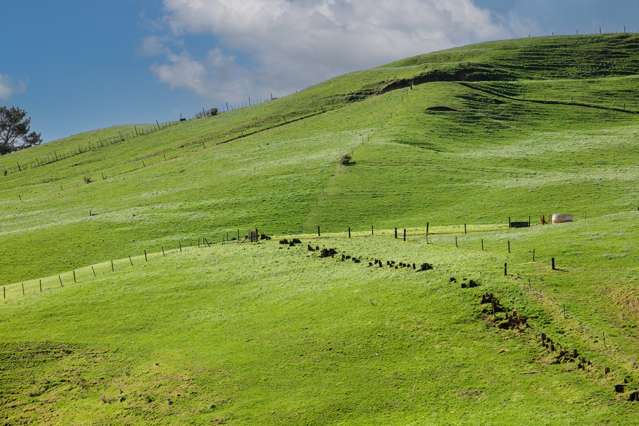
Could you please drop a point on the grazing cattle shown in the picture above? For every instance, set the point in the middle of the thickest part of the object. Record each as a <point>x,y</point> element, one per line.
<point>425,267</point>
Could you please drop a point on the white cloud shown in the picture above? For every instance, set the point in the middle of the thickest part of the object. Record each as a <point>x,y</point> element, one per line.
<point>290,44</point>
<point>182,71</point>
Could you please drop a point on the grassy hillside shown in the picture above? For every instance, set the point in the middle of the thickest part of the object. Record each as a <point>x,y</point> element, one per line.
<point>265,333</point>
<point>487,151</point>
<point>246,333</point>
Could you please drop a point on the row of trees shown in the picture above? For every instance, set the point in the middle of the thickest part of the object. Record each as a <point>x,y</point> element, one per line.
<point>15,130</point>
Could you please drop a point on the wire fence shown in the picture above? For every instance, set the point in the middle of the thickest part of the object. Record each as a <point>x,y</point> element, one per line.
<point>91,146</point>
<point>459,236</point>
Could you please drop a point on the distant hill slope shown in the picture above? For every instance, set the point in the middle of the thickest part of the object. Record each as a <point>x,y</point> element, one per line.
<point>476,134</point>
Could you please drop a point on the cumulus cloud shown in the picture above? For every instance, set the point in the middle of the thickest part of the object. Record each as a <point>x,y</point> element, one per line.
<point>288,44</point>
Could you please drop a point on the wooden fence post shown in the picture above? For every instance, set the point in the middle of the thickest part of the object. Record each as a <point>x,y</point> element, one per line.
<point>456,244</point>
<point>180,243</point>
<point>4,293</point>
<point>60,279</point>
<point>23,289</point>
<point>505,269</point>
<point>130,261</point>
<point>112,266</point>
<point>163,254</point>
<point>404,234</point>
<point>146,259</point>
<point>508,246</point>
<point>93,269</point>
<point>465,229</point>
<point>349,232</point>
<point>395,233</point>
<point>509,221</point>
<point>482,244</point>
<point>533,255</point>
<point>554,267</point>
<point>372,230</point>
<point>40,286</point>
<point>74,278</point>
<point>318,231</point>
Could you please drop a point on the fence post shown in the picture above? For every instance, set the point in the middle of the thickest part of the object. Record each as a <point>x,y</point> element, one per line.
<point>349,232</point>
<point>146,259</point>
<point>395,233</point>
<point>180,243</point>
<point>404,234</point>
<point>130,261</point>
<point>4,293</point>
<point>505,269</point>
<point>93,269</point>
<point>533,255</point>
<point>372,230</point>
<point>163,254</point>
<point>40,286</point>
<point>318,231</point>
<point>23,289</point>
<point>456,244</point>
<point>508,246</point>
<point>427,229</point>
<point>509,222</point>
<point>465,230</point>
<point>74,279</point>
<point>112,266</point>
<point>553,264</point>
<point>482,244</point>
<point>238,235</point>
<point>60,279</point>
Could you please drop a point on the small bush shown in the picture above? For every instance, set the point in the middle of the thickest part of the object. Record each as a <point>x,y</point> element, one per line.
<point>87,179</point>
<point>347,160</point>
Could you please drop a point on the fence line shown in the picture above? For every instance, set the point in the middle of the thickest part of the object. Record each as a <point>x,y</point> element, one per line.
<point>79,275</point>
<point>91,146</point>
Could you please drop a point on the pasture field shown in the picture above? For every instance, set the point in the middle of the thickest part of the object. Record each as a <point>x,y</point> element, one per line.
<point>264,333</point>
<point>267,333</point>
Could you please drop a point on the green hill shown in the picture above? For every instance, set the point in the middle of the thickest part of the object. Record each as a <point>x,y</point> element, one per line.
<point>263,333</point>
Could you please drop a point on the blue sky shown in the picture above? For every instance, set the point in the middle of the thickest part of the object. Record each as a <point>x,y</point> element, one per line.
<point>77,65</point>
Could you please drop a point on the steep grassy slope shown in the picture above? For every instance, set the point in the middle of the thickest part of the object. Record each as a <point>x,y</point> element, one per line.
<point>444,152</point>
<point>249,334</point>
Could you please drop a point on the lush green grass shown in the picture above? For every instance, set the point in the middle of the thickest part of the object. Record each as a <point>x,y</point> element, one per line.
<point>264,334</point>
<point>258,334</point>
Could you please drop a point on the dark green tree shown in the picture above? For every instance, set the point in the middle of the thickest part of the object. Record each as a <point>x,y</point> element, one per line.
<point>15,134</point>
